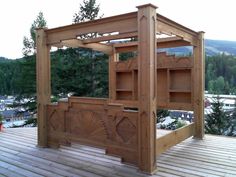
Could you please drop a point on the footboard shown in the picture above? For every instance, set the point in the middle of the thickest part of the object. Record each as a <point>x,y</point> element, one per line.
<point>94,122</point>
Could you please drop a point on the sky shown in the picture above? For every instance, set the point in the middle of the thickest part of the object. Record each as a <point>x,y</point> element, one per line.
<point>214,17</point>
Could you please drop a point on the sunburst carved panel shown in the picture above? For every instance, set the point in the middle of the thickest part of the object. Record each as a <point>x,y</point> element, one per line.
<point>88,124</point>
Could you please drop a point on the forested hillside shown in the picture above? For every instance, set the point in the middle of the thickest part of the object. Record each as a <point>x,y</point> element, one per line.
<point>72,70</point>
<point>221,74</point>
<point>86,74</point>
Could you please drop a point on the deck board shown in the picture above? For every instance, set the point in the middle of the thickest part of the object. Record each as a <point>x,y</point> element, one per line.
<point>19,156</point>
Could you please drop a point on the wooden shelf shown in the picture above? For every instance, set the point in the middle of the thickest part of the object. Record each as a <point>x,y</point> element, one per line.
<point>126,85</point>
<point>122,71</point>
<point>124,95</point>
<point>180,91</point>
<point>123,90</point>
<point>180,97</point>
<point>179,68</point>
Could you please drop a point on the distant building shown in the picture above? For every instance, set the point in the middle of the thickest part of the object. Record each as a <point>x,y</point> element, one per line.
<point>228,101</point>
<point>184,115</point>
<point>14,115</point>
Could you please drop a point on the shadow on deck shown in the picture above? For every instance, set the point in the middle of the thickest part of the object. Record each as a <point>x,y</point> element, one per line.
<point>19,156</point>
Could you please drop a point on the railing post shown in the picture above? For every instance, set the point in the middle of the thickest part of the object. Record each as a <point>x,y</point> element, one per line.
<point>199,86</point>
<point>147,87</point>
<point>43,85</point>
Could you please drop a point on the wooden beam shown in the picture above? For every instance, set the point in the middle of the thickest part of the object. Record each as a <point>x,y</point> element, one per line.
<point>168,39</point>
<point>126,47</point>
<point>198,86</point>
<point>58,45</point>
<point>161,43</point>
<point>179,43</point>
<point>124,23</point>
<point>169,27</point>
<point>111,37</point>
<point>75,43</point>
<point>43,85</point>
<point>147,88</point>
<point>175,137</point>
<point>172,42</point>
<point>125,44</point>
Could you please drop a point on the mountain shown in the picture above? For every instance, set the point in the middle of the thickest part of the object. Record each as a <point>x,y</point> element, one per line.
<point>212,47</point>
<point>3,59</point>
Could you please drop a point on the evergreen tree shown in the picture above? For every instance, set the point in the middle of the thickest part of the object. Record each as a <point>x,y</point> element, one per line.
<point>10,72</point>
<point>88,11</point>
<point>27,84</point>
<point>162,113</point>
<point>220,72</point>
<point>30,43</point>
<point>217,121</point>
<point>232,122</point>
<point>27,77</point>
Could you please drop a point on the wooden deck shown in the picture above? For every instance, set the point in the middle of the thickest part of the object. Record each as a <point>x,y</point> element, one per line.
<point>19,156</point>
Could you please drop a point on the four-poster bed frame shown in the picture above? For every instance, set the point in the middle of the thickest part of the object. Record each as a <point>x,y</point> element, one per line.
<point>144,83</point>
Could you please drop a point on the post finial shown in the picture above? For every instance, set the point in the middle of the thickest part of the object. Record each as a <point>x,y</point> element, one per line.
<point>146,5</point>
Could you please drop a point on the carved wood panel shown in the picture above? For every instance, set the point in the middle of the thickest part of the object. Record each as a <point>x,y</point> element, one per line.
<point>95,122</point>
<point>87,124</point>
<point>55,119</point>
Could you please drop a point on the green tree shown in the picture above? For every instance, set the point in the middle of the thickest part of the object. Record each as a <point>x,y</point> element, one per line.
<point>71,72</point>
<point>27,80</point>
<point>217,121</point>
<point>162,113</point>
<point>27,84</point>
<point>89,10</point>
<point>232,122</point>
<point>10,72</point>
<point>1,118</point>
<point>210,73</point>
<point>219,85</point>
<point>30,43</point>
<point>211,86</point>
<point>220,68</point>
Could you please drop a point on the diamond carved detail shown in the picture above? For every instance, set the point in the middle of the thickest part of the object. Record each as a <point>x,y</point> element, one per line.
<point>125,129</point>
<point>54,122</point>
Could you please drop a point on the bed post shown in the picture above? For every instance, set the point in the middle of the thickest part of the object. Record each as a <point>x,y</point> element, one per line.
<point>147,87</point>
<point>199,86</point>
<point>43,85</point>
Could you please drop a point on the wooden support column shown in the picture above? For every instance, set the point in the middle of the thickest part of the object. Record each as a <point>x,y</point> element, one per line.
<point>199,86</point>
<point>43,85</point>
<point>147,87</point>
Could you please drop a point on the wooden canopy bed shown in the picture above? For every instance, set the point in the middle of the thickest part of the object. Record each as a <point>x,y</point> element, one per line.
<point>125,123</point>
